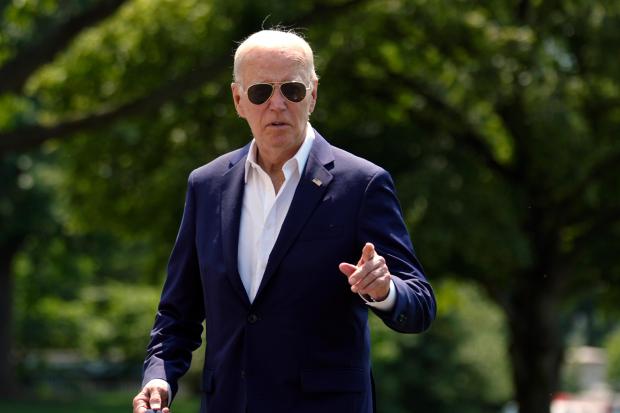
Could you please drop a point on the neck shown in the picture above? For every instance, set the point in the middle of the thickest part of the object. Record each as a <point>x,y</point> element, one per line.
<point>272,162</point>
<point>273,167</point>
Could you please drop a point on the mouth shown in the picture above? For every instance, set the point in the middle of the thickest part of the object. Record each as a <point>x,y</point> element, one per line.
<point>277,124</point>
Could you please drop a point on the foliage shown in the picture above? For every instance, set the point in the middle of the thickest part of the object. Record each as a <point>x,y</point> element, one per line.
<point>22,204</point>
<point>102,323</point>
<point>463,356</point>
<point>612,345</point>
<point>71,286</point>
<point>498,121</point>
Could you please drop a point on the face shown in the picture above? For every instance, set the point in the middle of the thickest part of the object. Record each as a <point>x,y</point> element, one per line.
<point>278,125</point>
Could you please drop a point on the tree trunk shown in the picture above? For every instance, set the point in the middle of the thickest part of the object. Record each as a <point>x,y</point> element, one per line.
<point>536,349</point>
<point>7,378</point>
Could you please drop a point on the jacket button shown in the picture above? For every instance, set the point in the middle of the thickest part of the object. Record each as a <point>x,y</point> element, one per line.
<point>252,318</point>
<point>242,374</point>
<point>402,318</point>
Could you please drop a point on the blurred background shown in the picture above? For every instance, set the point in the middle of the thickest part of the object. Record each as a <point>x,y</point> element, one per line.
<point>499,121</point>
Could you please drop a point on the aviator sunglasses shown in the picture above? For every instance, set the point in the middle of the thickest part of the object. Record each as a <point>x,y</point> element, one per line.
<point>260,93</point>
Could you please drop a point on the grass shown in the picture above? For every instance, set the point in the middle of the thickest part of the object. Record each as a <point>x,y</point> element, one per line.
<point>106,402</point>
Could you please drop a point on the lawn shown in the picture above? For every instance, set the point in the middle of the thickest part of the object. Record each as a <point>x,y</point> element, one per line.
<point>116,402</point>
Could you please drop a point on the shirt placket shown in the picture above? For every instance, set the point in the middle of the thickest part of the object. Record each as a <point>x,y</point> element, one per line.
<point>266,238</point>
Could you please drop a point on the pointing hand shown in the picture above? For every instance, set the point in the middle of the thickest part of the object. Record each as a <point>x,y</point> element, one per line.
<point>370,276</point>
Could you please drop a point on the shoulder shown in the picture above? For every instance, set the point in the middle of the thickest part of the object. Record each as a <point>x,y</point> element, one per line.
<point>351,167</point>
<point>349,161</point>
<point>345,162</point>
<point>217,167</point>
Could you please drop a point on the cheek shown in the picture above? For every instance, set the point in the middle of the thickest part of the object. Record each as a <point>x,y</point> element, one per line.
<point>253,119</point>
<point>304,110</point>
<point>250,113</point>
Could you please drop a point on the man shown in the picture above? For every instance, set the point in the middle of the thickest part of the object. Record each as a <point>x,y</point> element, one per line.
<point>283,246</point>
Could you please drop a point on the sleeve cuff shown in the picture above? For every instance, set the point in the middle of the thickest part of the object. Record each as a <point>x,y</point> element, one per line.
<point>385,305</point>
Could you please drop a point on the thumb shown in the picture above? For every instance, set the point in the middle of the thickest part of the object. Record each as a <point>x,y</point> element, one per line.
<point>346,268</point>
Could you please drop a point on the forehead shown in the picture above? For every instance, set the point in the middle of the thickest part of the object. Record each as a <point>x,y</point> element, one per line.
<point>262,64</point>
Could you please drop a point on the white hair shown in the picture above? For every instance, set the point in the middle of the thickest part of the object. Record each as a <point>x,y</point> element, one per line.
<point>275,39</point>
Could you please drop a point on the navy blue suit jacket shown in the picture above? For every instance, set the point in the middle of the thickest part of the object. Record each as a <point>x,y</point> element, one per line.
<point>303,345</point>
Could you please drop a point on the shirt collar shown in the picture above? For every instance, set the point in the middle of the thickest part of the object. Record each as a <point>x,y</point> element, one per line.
<point>299,159</point>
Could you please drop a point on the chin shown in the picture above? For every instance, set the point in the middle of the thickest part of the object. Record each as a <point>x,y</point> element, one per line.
<point>281,141</point>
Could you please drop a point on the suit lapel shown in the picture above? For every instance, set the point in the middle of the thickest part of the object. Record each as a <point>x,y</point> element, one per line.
<point>231,202</point>
<point>312,185</point>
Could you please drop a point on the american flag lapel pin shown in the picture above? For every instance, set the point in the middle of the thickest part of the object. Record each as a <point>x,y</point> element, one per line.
<point>317,182</point>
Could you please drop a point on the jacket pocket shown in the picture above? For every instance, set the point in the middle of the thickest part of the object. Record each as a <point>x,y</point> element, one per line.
<point>207,381</point>
<point>334,380</point>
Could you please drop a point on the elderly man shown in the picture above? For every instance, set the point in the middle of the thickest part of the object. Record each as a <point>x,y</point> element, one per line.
<point>283,247</point>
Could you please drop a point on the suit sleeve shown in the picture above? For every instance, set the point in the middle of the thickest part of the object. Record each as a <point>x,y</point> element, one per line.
<point>178,324</point>
<point>381,222</point>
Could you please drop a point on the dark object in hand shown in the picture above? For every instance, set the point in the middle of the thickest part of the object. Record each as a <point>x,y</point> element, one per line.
<point>153,411</point>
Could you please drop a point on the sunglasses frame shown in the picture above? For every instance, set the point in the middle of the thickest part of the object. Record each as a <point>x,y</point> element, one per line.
<point>273,88</point>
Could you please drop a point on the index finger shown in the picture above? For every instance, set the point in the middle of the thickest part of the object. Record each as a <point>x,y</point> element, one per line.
<point>157,400</point>
<point>368,252</point>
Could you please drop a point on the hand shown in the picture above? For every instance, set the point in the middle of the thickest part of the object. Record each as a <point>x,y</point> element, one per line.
<point>370,276</point>
<point>153,396</point>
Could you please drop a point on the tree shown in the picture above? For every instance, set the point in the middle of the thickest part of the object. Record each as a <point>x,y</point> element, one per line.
<point>22,51</point>
<point>497,120</point>
<point>444,370</point>
<point>36,37</point>
<point>510,122</point>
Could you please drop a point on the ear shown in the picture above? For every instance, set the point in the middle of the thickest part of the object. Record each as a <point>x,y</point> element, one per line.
<point>237,94</point>
<point>313,94</point>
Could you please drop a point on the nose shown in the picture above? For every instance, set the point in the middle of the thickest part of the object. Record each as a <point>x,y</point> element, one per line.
<point>277,101</point>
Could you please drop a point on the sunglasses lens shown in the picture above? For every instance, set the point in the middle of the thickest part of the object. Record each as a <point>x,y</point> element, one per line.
<point>259,93</point>
<point>293,91</point>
